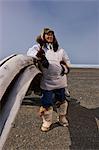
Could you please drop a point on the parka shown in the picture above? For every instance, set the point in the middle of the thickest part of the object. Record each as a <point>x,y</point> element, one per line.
<point>51,76</point>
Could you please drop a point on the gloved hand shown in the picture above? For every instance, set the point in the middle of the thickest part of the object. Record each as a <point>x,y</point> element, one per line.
<point>42,58</point>
<point>65,68</point>
<point>40,53</point>
<point>44,62</point>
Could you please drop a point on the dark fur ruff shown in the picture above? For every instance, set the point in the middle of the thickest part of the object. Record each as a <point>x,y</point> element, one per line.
<point>43,42</point>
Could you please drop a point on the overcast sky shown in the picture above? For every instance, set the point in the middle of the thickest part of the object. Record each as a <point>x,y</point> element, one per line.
<point>75,22</point>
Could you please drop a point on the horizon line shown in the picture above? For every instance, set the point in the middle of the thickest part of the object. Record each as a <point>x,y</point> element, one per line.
<point>84,66</point>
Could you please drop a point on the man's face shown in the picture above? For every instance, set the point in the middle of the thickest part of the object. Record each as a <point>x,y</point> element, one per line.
<point>49,37</point>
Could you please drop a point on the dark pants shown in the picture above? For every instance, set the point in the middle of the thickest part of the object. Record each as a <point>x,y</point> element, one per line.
<point>50,97</point>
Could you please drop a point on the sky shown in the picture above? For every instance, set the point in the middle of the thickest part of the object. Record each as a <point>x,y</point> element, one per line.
<point>75,23</point>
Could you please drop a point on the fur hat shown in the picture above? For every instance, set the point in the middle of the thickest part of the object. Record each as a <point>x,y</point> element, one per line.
<point>46,31</point>
<point>40,39</point>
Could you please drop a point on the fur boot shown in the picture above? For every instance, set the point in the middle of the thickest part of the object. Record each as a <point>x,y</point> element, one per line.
<point>47,119</point>
<point>61,111</point>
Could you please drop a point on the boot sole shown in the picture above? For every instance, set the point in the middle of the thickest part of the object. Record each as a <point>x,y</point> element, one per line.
<point>44,129</point>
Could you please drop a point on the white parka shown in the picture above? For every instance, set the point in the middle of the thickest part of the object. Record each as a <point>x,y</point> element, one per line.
<point>52,78</point>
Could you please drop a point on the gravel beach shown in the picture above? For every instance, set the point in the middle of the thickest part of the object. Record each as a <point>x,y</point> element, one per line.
<point>83,130</point>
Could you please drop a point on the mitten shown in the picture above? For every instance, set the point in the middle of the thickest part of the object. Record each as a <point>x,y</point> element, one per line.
<point>42,58</point>
<point>44,62</point>
<point>40,53</point>
<point>65,68</point>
